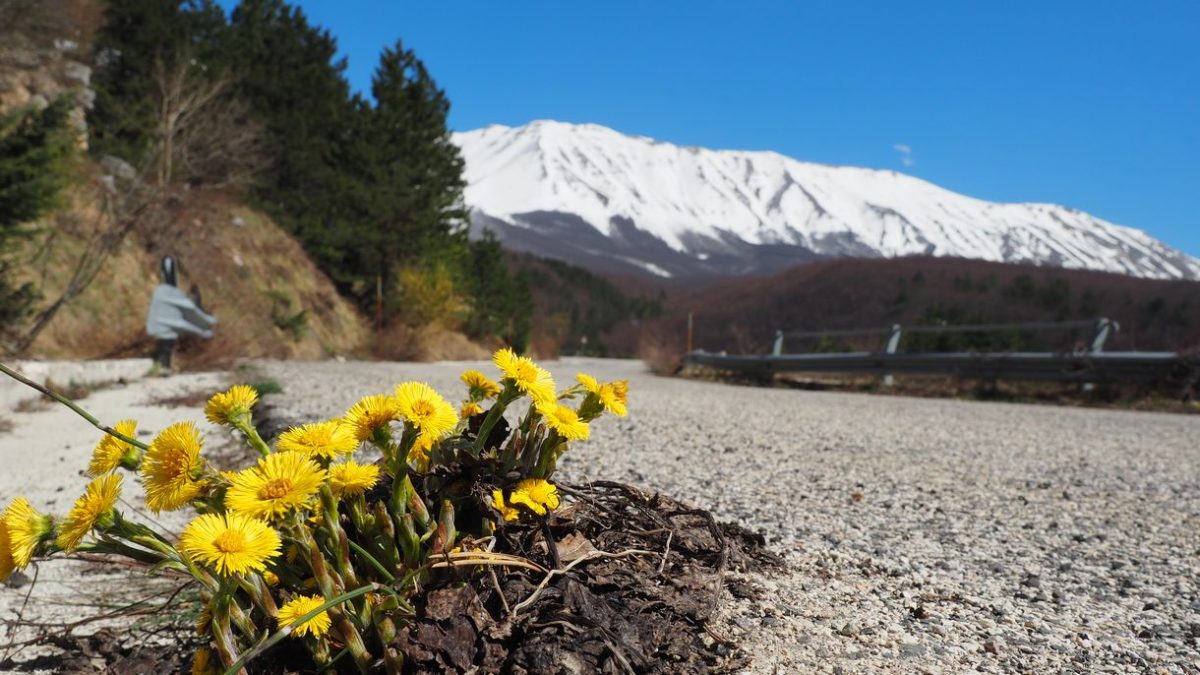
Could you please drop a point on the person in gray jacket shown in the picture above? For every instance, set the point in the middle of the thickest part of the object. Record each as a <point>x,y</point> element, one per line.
<point>172,314</point>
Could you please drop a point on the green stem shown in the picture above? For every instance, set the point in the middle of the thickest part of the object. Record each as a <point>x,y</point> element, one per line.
<point>243,425</point>
<point>339,539</point>
<point>221,631</point>
<point>507,396</point>
<point>72,405</point>
<point>282,633</point>
<point>374,563</point>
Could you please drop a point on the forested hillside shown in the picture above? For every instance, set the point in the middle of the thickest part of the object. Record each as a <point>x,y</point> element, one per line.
<point>142,128</point>
<point>743,315</point>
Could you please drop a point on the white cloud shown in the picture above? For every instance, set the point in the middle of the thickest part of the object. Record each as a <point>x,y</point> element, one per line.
<point>905,151</point>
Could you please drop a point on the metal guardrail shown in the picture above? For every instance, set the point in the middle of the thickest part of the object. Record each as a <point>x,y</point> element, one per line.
<point>1131,367</point>
<point>1092,366</point>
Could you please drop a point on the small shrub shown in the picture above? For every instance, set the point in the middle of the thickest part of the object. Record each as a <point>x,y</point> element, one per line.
<point>294,324</point>
<point>428,295</point>
<point>661,354</point>
<point>267,387</point>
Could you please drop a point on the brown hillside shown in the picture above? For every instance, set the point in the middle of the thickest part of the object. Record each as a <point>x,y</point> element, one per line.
<point>270,300</point>
<point>743,315</point>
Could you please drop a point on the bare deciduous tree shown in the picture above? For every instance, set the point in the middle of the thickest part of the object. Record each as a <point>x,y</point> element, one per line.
<point>202,133</point>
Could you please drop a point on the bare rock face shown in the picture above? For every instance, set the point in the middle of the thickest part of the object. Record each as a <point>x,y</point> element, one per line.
<point>35,70</point>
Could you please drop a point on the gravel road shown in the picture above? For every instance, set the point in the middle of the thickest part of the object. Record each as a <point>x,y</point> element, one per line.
<point>922,535</point>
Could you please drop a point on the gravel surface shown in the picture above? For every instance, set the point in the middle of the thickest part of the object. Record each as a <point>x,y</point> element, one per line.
<point>922,535</point>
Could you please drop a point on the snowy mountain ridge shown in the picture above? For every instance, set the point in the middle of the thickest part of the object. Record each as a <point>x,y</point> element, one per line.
<point>591,195</point>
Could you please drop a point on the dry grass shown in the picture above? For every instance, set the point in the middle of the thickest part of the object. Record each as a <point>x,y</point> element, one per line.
<point>270,299</point>
<point>427,343</point>
<point>661,354</point>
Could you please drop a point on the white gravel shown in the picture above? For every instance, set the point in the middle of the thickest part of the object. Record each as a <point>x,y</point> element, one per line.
<point>989,537</point>
<point>921,535</point>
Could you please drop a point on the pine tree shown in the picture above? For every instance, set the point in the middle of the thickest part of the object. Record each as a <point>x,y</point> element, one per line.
<point>35,151</point>
<point>395,185</point>
<point>501,301</point>
<point>411,172</point>
<point>291,78</point>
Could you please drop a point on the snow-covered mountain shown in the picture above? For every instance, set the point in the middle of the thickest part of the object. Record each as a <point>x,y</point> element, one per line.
<point>591,195</point>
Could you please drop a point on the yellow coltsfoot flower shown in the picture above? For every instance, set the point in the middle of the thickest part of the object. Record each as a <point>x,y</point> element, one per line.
<point>469,410</point>
<point>480,386</point>
<point>26,529</point>
<point>230,543</point>
<point>203,663</point>
<point>539,495</point>
<point>7,564</point>
<point>90,510</point>
<point>172,467</point>
<point>232,405</point>
<point>279,484</point>
<point>371,414</point>
<point>112,452</point>
<point>605,394</point>
<point>325,440</point>
<point>526,376</point>
<point>565,422</point>
<point>351,478</point>
<point>507,512</point>
<point>418,454</point>
<point>426,410</point>
<point>621,389</point>
<point>297,607</point>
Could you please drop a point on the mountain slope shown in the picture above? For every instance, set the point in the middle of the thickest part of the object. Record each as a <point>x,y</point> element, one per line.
<point>591,195</point>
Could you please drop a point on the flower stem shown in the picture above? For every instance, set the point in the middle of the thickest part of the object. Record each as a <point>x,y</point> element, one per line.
<point>243,425</point>
<point>72,405</point>
<point>507,396</point>
<point>282,633</point>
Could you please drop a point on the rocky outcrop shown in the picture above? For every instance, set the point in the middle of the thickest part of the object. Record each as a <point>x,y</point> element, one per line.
<point>35,69</point>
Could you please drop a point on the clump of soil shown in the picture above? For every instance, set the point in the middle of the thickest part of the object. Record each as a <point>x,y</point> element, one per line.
<point>639,612</point>
<point>639,577</point>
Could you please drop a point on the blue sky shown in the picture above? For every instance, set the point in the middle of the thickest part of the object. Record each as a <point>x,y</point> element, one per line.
<point>1093,104</point>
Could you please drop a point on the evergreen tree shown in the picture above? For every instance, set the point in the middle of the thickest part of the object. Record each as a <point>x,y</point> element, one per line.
<point>502,301</point>
<point>390,185</point>
<point>290,77</point>
<point>35,151</point>
<point>410,211</point>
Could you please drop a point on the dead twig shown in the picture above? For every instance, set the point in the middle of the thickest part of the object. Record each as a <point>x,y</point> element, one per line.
<point>666,551</point>
<point>70,404</point>
<point>500,592</point>
<point>592,555</point>
<point>20,615</point>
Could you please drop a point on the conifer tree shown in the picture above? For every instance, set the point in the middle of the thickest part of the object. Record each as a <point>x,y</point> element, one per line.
<point>411,172</point>
<point>291,78</point>
<point>35,151</point>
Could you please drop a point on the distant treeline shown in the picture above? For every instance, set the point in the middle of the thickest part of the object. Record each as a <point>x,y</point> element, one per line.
<point>372,187</point>
<point>582,313</point>
<point>743,315</point>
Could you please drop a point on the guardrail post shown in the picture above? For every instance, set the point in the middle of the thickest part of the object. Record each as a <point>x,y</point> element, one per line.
<point>893,344</point>
<point>777,349</point>
<point>1104,326</point>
